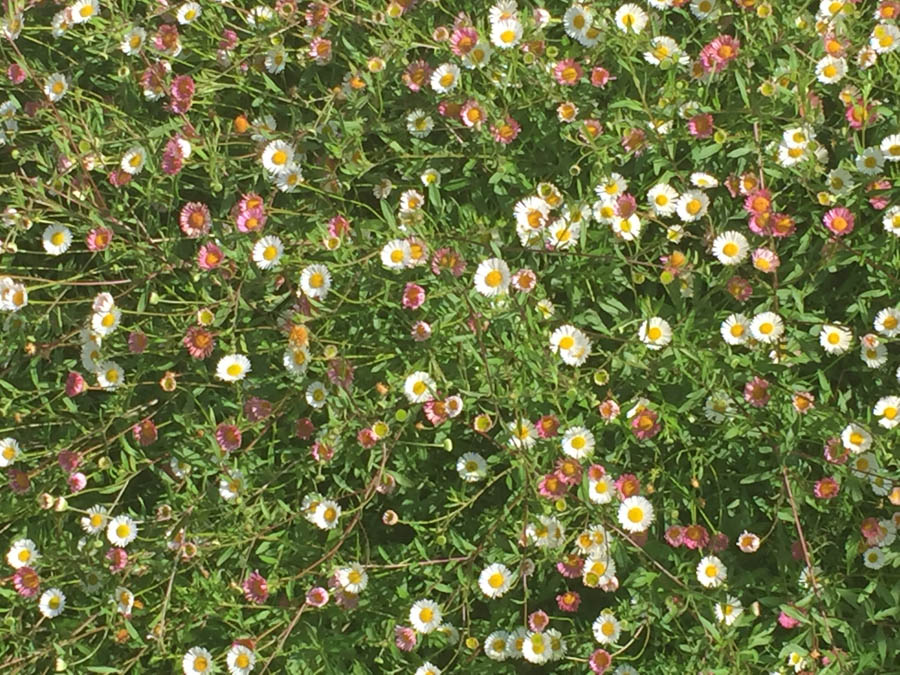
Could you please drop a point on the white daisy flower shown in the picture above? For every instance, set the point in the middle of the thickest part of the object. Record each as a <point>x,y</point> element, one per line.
<point>873,353</point>
<point>396,254</point>
<point>231,485</point>
<point>471,467</point>
<point>496,645</point>
<point>602,490</point>
<point>729,611</point>
<point>124,600</point>
<point>578,443</point>
<point>831,69</point>
<point>296,361</point>
<point>523,435</point>
<point>655,332</point>
<point>577,20</point>
<point>104,322</point>
<point>188,12</point>
<point>353,578</point>
<point>133,41</point>
<point>887,322</point>
<point>267,252</point>
<point>495,580</point>
<point>316,395</point>
<point>735,329</point>
<point>704,181</point>
<point>731,248</point>
<point>133,160</point>
<point>506,33</point>
<point>326,515</point>
<point>711,573</point>
<point>197,661</point>
<point>607,628</point>
<point>419,387</point>
<point>275,60</point>
<point>873,558</point>
<point>856,439</point>
<point>9,452</point>
<point>240,660</point>
<point>277,156</point>
<point>232,368</point>
<point>22,553</point>
<point>627,229</point>
<point>870,162</point>
<point>630,18</point>
<point>315,281</point>
<point>52,603</point>
<point>95,521</point>
<point>662,198</point>
<point>492,277</point>
<point>110,375</point>
<point>84,10</point>
<point>425,616</point>
<point>890,148</point>
<point>692,205</point>
<point>835,339</point>
<point>445,78</point>
<point>635,514</point>
<point>767,327</point>
<point>56,239</point>
<point>891,220</point>
<point>289,179</point>
<point>121,531</point>
<point>536,648</point>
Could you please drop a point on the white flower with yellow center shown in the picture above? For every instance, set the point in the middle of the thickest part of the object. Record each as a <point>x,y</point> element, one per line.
<point>662,198</point>
<point>56,239</point>
<point>767,327</point>
<point>316,395</point>
<point>855,438</point>
<point>891,220</point>
<point>121,531</point>
<point>599,569</point>
<point>578,443</point>
<point>231,485</point>
<point>655,332</point>
<point>831,69</point>
<point>197,661</point>
<point>445,78</point>
<point>635,514</point>
<point>727,612</point>
<point>607,628</point>
<point>315,281</point>
<point>232,368</point>
<point>326,515</point>
<point>692,205</point>
<point>396,254</point>
<point>887,410</point>
<point>110,375</point>
<point>471,467</point>
<point>95,520</point>
<point>419,387</point>
<point>887,321</point>
<point>133,160</point>
<point>56,87</point>
<point>536,648</point>
<point>106,321</point>
<point>835,339</point>
<point>425,616</point>
<point>52,603</point>
<point>496,645</point>
<point>522,434</point>
<point>495,580</point>
<point>277,157</point>
<point>9,452</point>
<point>23,552</point>
<point>188,13</point>
<point>267,252</point>
<point>506,33</point>
<point>735,329</point>
<point>84,10</point>
<point>133,41</point>
<point>240,660</point>
<point>602,490</point>
<point>352,578</point>
<point>711,573</point>
<point>124,600</point>
<point>630,18</point>
<point>492,277</point>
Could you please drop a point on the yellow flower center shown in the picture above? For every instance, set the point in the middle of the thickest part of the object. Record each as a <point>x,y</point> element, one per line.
<point>507,36</point>
<point>201,664</point>
<point>496,580</point>
<point>354,577</point>
<point>330,514</point>
<point>135,41</point>
<point>270,252</point>
<point>578,442</point>
<point>635,514</point>
<point>316,280</point>
<point>766,328</point>
<point>446,79</point>
<point>426,615</point>
<point>737,330</point>
<point>53,602</point>
<point>608,628</point>
<point>711,570</point>
<point>730,249</point>
<point>693,207</point>
<point>419,388</point>
<point>890,412</point>
<point>654,333</point>
<point>86,11</point>
<point>108,319</point>
<point>234,369</point>
<point>242,660</point>
<point>96,520</point>
<point>123,531</point>
<point>58,87</point>
<point>856,438</point>
<point>112,375</point>
<point>493,278</point>
<point>279,157</point>
<point>24,555</point>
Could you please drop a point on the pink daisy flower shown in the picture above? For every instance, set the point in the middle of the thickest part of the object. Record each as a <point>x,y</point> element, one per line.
<point>634,141</point>
<point>15,73</point>
<point>628,485</point>
<point>695,536</point>
<point>568,470</point>
<point>596,471</point>
<point>524,280</point>
<point>547,426</point>
<point>567,72</point>
<point>19,482</point>
<point>447,260</point>
<point>199,342</point>
<point>421,331</point>
<point>68,461</point>
<point>826,488</point>
<point>716,56</point>
<point>118,558</point>
<point>195,219</point>
<point>756,392</point>
<point>181,93</point>
<point>786,621</point>
<point>609,410</point>
<point>538,621</point>
<point>317,597</point>
<point>463,39</point>
<point>251,220</point>
<point>600,661</point>
<point>26,582</point>
<point>304,428</point>
<point>839,221</point>
<point>320,50</point>
<point>210,256</point>
<point>835,452</point>
<point>413,296</point>
<point>551,487</point>
<point>98,239</point>
<point>257,409</point>
<point>758,201</point>
<point>405,638</point>
<point>739,288</point>
<point>568,601</point>
<point>782,225</point>
<point>701,125</point>
<point>322,452</point>
<point>366,438</point>
<point>77,481</point>
<point>472,114</point>
<point>765,260</point>
<point>506,132</point>
<point>571,566</point>
<point>416,75</point>
<point>645,424</point>
<point>256,589</point>
<point>600,76</point>
<point>75,384</point>
<point>338,226</point>
<point>228,436</point>
<point>674,535</point>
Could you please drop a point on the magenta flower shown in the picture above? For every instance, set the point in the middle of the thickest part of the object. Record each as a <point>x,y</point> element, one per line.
<point>15,73</point>
<point>68,461</point>
<point>338,226</point>
<point>195,219</point>
<point>181,92</point>
<point>695,536</point>
<point>628,485</point>
<point>506,132</point>
<point>786,621</point>
<point>366,438</point>
<point>77,481</point>
<point>568,601</point>
<point>137,342</point>
<point>568,470</point>
<point>210,256</point>
<point>551,487</point>
<point>835,452</point>
<point>645,424</point>
<point>256,589</point>
<point>600,661</point>
<point>447,260</point>
<point>317,597</point>
<point>173,157</point>
<point>756,392</point>
<point>839,221</point>
<point>600,76</point>
<point>405,638</point>
<point>26,582</point>
<point>609,410</point>
<point>413,296</point>
<point>567,72</point>
<point>416,75</point>
<point>826,488</point>
<point>765,260</point>
<point>463,39</point>
<point>98,239</point>
<point>538,621</point>
<point>199,342</point>
<point>19,482</point>
<point>257,409</point>
<point>716,55</point>
<point>674,535</point>
<point>739,288</point>
<point>570,566</point>
<point>228,436</point>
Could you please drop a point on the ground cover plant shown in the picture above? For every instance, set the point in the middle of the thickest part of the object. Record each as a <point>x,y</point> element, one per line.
<point>433,337</point>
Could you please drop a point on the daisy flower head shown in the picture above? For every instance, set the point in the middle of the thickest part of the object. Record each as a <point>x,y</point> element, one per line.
<point>606,628</point>
<point>427,668</point>
<point>890,148</point>
<point>506,33</point>
<point>578,443</point>
<point>353,578</point>
<point>267,252</point>
<point>396,254</point>
<point>315,281</point>
<point>765,260</point>
<point>290,178</point>
<point>692,205</point>
<point>711,573</point>
<point>891,220</point>
<point>496,645</point>
<point>56,87</point>
<point>232,368</point>
<point>232,484</point>
<point>630,18</point>
<point>133,160</point>
<point>425,616</point>
<point>277,156</point>
<point>56,239</point>
<point>419,387</point>
<point>22,553</point>
<point>748,542</point>
<point>188,13</point>
<point>445,78</point>
<point>9,452</point>
<point>495,580</point>
<point>110,375</point>
<point>729,611</point>
<point>471,467</point>
<point>872,352</point>
<point>887,322</point>
<point>835,339</point>
<point>197,661</point>
<point>240,659</point>
<point>873,558</point>
<point>316,395</point>
<point>831,69</point>
<point>95,520</point>
<point>121,531</point>
<point>655,332</point>
<point>523,434</point>
<point>635,514</point>
<point>84,10</point>
<point>601,490</point>
<point>855,438</point>
<point>767,327</point>
<point>839,221</point>
<point>571,344</point>
<point>611,186</point>
<point>663,199</point>
<point>52,603</point>
<point>735,329</point>
<point>731,248</point>
<point>419,124</point>
<point>492,277</point>
<point>326,515</point>
<point>870,162</point>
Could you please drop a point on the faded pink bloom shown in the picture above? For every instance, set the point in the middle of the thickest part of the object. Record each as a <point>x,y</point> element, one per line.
<point>611,585</point>
<point>320,50</point>
<point>145,432</point>
<point>701,125</point>
<point>98,239</point>
<point>695,536</point>
<point>448,108</point>
<point>758,201</point>
<point>137,342</point>
<point>596,471</point>
<point>879,202</point>
<point>547,426</point>
<point>322,452</point>
<point>416,75</point>
<point>340,372</point>
<point>257,409</point>
<point>173,157</point>
<point>421,331</point>
<point>871,531</point>
<point>317,597</point>
<point>739,288</point>
<point>256,589</point>
<point>413,296</point>
<point>567,72</point>
<point>338,226</point>
<point>472,114</point>
<point>568,470</point>
<point>803,401</point>
<point>153,80</point>
<point>600,661</point>
<point>600,76</point>
<point>68,461</point>
<point>786,621</point>
<point>304,428</point>
<point>15,73</point>
<point>181,92</point>
<point>119,178</point>
<point>674,535</point>
<point>719,542</point>
<point>645,424</point>
<point>366,438</point>
<point>463,40</point>
<point>628,485</point>
<point>506,132</point>
<point>436,412</point>
<point>551,487</point>
<point>609,410</point>
<point>447,260</point>
<point>26,582</point>
<point>590,130</point>
<point>195,219</point>
<point>538,621</point>
<point>210,256</point>
<point>716,55</point>
<point>251,220</point>
<point>568,601</point>
<point>118,558</point>
<point>782,225</point>
<point>570,566</point>
<point>523,280</point>
<point>228,436</point>
<point>19,482</point>
<point>199,342</point>
<point>765,260</point>
<point>835,452</point>
<point>626,205</point>
<point>826,488</point>
<point>756,392</point>
<point>839,221</point>
<point>405,638</point>
<point>166,40</point>
<point>229,39</point>
<point>634,141</point>
<point>77,481</point>
<point>860,115</point>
